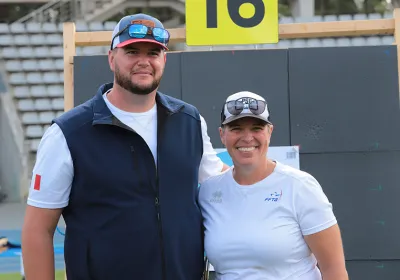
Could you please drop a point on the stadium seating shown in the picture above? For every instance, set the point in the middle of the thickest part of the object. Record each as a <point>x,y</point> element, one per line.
<point>32,56</point>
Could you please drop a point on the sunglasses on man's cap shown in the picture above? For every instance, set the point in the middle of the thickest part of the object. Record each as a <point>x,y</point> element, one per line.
<point>140,31</point>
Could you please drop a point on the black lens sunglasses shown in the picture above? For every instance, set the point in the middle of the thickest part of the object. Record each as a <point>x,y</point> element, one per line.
<point>235,107</point>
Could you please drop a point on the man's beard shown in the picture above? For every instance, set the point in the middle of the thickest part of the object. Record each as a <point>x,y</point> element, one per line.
<point>127,84</point>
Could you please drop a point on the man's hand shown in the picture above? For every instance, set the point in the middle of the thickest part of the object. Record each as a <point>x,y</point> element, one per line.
<point>225,167</point>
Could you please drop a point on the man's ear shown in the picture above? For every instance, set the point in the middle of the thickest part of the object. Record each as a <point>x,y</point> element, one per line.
<point>165,57</point>
<point>111,54</point>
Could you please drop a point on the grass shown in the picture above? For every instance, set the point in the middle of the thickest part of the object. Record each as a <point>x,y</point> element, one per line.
<point>16,276</point>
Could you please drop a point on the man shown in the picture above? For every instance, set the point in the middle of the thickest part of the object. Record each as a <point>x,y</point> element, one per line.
<point>123,166</point>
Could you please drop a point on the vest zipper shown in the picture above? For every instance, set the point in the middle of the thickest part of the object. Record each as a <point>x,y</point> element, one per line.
<point>157,204</point>
<point>157,198</point>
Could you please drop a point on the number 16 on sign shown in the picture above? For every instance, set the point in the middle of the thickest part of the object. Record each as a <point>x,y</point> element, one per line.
<point>231,22</point>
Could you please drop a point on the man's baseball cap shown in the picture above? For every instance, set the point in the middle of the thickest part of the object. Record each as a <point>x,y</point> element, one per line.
<point>244,104</point>
<point>125,39</point>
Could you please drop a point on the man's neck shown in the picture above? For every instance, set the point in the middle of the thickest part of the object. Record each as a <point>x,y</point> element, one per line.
<point>129,102</point>
<point>251,175</point>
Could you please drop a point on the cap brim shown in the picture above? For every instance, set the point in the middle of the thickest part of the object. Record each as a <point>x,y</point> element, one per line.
<point>132,41</point>
<point>234,118</point>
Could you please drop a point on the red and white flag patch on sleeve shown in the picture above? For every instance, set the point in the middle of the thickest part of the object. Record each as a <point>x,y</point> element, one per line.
<point>36,185</point>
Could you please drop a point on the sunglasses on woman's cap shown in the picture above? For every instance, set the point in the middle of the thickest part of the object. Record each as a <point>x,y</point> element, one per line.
<point>139,28</point>
<point>244,104</point>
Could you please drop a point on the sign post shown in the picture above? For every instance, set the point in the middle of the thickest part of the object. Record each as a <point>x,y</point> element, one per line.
<point>231,22</point>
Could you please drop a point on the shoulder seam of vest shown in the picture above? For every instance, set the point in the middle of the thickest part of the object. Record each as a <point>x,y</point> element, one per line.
<point>71,131</point>
<point>191,115</point>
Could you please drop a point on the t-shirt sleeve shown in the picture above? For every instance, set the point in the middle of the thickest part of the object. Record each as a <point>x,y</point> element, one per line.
<point>53,171</point>
<point>210,164</point>
<point>314,210</point>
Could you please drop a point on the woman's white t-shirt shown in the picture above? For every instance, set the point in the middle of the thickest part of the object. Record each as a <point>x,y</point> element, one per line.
<point>256,232</point>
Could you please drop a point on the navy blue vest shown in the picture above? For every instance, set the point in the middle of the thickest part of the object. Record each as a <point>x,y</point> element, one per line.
<point>128,218</point>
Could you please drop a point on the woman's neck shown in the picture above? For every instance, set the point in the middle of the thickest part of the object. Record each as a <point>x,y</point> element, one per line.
<point>250,176</point>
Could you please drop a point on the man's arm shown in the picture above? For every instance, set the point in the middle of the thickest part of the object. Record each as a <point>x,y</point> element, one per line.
<point>48,194</point>
<point>37,242</point>
<point>210,164</point>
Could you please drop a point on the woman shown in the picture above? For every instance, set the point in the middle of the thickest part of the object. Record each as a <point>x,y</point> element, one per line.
<point>264,219</point>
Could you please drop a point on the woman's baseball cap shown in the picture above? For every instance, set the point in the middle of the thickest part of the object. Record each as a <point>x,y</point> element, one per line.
<point>121,36</point>
<point>244,104</point>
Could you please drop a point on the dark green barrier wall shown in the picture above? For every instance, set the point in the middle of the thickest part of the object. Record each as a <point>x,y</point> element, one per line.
<point>341,105</point>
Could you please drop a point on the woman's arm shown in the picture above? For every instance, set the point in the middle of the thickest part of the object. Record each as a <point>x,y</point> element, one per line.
<point>327,247</point>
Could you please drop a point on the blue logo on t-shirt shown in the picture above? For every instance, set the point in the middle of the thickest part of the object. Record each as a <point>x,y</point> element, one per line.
<point>275,196</point>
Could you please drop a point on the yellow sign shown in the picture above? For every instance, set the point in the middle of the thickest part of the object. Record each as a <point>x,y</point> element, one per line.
<point>231,22</point>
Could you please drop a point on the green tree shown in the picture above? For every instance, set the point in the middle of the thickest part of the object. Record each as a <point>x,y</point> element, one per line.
<point>12,12</point>
<point>396,3</point>
<point>284,8</point>
<point>340,7</point>
<point>375,6</point>
<point>331,7</point>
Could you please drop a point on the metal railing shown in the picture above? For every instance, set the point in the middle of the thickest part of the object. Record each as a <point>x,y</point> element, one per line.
<point>58,11</point>
<point>63,10</point>
<point>53,11</point>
